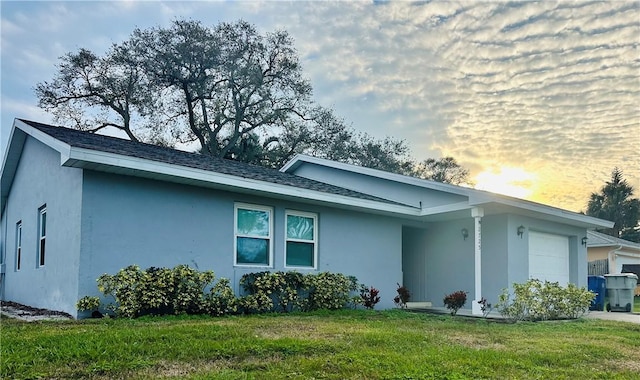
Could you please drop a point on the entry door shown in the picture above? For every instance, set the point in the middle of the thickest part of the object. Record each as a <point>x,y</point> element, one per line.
<point>549,257</point>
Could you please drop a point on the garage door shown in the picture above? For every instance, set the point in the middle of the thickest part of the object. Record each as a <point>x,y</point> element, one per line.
<point>549,257</point>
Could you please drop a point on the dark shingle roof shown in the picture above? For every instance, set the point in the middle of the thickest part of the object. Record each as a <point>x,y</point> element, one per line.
<point>102,143</point>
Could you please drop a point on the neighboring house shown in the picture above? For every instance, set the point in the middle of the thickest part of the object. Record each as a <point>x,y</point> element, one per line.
<point>608,254</point>
<point>76,205</point>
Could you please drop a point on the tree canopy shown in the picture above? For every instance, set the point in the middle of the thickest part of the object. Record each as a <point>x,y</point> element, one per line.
<point>614,202</point>
<point>228,89</point>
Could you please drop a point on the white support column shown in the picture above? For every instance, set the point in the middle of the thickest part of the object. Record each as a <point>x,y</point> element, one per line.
<point>477,213</point>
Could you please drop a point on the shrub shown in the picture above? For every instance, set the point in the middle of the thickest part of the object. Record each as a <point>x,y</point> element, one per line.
<point>182,289</point>
<point>537,301</point>
<point>189,289</point>
<point>329,290</point>
<point>139,292</point>
<point>273,291</point>
<point>402,298</point>
<point>221,300</point>
<point>88,303</point>
<point>369,296</point>
<point>455,301</point>
<point>485,307</point>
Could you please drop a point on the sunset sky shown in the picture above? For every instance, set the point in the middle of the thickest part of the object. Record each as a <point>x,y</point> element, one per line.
<point>538,100</point>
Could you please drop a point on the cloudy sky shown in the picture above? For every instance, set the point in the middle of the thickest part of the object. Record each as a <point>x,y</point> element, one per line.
<point>538,100</point>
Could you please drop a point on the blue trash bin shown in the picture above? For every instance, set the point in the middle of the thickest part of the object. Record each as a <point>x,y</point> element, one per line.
<point>598,285</point>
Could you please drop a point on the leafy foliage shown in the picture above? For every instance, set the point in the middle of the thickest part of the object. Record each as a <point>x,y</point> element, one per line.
<point>369,296</point>
<point>289,291</point>
<point>536,300</point>
<point>403,297</point>
<point>485,307</point>
<point>445,170</point>
<point>330,291</point>
<point>235,92</point>
<point>455,301</point>
<point>139,292</point>
<point>614,202</point>
<point>88,303</point>
<point>181,290</point>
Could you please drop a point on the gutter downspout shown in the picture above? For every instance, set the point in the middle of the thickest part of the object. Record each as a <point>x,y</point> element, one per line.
<point>612,260</point>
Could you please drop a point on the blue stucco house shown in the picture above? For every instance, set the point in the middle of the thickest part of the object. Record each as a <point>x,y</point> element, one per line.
<point>76,205</point>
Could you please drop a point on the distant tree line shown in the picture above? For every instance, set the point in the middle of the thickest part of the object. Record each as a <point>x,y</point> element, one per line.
<point>232,91</point>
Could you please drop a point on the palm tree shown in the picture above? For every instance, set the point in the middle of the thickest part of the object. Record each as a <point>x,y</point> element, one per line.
<point>614,203</point>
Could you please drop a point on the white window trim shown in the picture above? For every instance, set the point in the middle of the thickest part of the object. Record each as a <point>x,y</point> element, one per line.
<point>18,246</point>
<point>42,211</point>
<point>304,214</point>
<point>248,206</point>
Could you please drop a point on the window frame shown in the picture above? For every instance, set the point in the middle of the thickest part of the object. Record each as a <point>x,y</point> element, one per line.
<point>18,245</point>
<point>42,236</point>
<point>304,214</point>
<point>252,207</point>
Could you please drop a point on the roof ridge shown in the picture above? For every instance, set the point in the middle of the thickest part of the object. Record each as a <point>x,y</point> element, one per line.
<point>116,145</point>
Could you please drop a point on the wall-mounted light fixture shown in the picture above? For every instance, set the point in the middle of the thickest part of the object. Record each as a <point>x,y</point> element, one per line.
<point>521,231</point>
<point>465,233</point>
<point>584,241</point>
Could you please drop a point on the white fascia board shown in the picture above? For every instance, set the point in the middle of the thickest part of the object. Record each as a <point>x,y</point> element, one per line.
<point>628,254</point>
<point>539,208</point>
<point>78,156</point>
<point>300,159</point>
<point>46,139</point>
<point>445,208</point>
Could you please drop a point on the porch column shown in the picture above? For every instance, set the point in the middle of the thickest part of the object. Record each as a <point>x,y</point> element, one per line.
<point>477,213</point>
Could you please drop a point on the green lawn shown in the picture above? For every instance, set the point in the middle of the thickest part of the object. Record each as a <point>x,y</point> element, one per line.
<point>323,345</point>
<point>636,304</point>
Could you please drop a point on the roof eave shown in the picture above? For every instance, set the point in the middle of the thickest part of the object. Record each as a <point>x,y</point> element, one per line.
<point>543,211</point>
<point>104,161</point>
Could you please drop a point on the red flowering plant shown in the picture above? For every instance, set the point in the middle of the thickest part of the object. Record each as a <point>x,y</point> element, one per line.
<point>455,301</point>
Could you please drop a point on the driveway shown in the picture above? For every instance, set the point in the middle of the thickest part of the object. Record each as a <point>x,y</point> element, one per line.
<point>614,316</point>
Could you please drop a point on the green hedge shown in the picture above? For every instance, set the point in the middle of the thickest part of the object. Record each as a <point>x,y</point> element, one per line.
<point>160,291</point>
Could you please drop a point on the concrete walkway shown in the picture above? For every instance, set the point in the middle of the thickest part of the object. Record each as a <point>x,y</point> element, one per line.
<point>614,316</point>
<point>609,316</point>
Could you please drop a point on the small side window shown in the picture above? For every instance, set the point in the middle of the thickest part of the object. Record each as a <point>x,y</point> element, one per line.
<point>42,234</point>
<point>18,245</point>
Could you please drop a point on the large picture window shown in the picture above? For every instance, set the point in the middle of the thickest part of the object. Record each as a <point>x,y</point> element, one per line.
<point>253,235</point>
<point>42,234</point>
<point>301,239</point>
<point>18,245</point>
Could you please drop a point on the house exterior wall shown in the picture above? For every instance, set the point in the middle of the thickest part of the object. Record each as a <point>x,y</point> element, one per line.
<point>40,180</point>
<point>619,256</point>
<point>395,191</point>
<point>518,248</point>
<point>450,259</point>
<point>128,220</point>
<point>599,253</point>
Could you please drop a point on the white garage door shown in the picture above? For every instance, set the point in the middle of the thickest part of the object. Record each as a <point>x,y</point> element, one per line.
<point>549,257</point>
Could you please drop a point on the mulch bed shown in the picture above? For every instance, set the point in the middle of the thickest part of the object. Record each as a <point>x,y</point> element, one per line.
<point>28,311</point>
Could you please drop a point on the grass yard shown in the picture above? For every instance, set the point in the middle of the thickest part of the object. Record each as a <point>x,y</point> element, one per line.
<point>323,345</point>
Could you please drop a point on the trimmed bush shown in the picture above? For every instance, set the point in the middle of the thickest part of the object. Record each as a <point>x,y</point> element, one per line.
<point>156,291</point>
<point>160,291</point>
<point>289,291</point>
<point>455,301</point>
<point>539,301</point>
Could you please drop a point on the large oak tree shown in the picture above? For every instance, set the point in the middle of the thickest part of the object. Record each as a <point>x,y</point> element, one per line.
<point>232,91</point>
